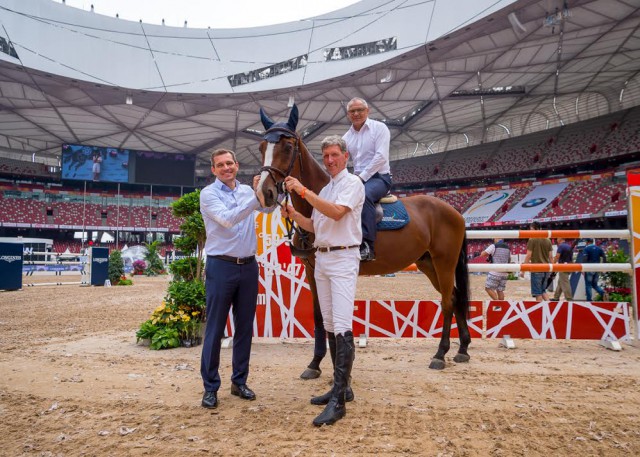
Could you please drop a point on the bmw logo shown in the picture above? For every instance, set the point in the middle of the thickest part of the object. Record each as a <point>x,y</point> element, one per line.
<point>534,202</point>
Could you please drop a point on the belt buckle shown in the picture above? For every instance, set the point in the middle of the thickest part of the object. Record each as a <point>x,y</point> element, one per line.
<point>239,261</point>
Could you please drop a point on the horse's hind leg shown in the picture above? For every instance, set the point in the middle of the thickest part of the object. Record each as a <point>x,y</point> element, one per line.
<point>465,337</point>
<point>443,285</point>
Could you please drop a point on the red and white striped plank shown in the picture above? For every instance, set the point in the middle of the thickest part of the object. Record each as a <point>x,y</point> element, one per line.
<point>549,267</point>
<point>568,234</point>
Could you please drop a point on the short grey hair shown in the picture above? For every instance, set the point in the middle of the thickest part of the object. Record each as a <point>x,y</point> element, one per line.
<point>334,140</point>
<point>358,100</point>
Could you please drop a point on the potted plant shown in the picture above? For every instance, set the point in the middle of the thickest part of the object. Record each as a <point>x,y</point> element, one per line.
<point>116,267</point>
<point>617,283</point>
<point>154,265</point>
<point>179,319</point>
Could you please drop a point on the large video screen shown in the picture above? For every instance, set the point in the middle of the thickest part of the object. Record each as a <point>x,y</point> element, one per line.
<point>163,168</point>
<point>95,163</point>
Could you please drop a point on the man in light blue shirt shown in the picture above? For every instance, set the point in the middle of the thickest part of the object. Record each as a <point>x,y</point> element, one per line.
<point>227,209</point>
<point>368,145</point>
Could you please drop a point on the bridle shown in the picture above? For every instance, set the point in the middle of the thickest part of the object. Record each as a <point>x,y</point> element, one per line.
<point>306,245</point>
<point>273,170</point>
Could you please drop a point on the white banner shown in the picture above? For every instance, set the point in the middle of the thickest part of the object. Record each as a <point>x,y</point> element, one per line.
<point>486,206</point>
<point>535,201</point>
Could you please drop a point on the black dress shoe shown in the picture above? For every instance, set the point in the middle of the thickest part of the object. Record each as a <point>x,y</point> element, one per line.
<point>210,399</point>
<point>242,391</point>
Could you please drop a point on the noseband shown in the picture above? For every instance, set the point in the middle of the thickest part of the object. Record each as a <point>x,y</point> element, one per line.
<point>273,170</point>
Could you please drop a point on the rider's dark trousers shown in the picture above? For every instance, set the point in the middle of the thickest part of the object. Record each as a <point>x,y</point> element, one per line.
<point>374,189</point>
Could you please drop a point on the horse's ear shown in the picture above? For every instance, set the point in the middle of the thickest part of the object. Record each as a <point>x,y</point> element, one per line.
<point>293,118</point>
<point>266,122</point>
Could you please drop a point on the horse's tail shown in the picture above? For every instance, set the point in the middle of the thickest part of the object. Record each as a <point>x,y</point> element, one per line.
<point>461,292</point>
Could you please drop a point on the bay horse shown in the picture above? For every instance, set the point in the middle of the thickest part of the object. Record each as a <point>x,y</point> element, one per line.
<point>434,239</point>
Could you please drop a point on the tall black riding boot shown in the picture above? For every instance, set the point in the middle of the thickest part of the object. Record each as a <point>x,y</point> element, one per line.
<point>324,398</point>
<point>335,409</point>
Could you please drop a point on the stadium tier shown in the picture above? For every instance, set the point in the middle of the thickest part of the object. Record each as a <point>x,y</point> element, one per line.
<point>610,138</point>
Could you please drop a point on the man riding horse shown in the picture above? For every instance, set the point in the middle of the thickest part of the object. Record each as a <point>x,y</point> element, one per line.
<point>368,144</point>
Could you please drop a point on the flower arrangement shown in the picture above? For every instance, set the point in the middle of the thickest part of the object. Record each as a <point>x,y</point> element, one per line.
<point>617,283</point>
<point>170,325</point>
<point>619,294</point>
<point>124,281</point>
<point>139,266</point>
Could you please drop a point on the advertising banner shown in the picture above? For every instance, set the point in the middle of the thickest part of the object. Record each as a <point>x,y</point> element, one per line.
<point>537,200</point>
<point>490,202</point>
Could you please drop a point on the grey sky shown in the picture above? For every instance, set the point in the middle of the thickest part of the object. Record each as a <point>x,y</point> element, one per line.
<point>211,13</point>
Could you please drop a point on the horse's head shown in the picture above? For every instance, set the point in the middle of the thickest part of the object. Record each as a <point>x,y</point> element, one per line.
<point>279,149</point>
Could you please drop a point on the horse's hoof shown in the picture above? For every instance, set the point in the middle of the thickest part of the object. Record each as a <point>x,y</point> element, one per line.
<point>461,358</point>
<point>310,373</point>
<point>436,364</point>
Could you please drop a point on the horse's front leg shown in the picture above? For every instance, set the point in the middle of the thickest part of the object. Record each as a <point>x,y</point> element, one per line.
<point>437,362</point>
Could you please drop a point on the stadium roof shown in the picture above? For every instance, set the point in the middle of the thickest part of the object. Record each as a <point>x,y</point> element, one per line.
<point>442,74</point>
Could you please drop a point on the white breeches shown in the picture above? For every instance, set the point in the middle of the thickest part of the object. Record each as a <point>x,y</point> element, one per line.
<point>336,275</point>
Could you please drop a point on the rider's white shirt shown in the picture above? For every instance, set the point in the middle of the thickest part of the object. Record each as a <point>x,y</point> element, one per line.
<point>345,189</point>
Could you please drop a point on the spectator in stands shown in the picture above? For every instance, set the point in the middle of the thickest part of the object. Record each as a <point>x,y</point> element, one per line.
<point>368,144</point>
<point>564,254</point>
<point>539,250</point>
<point>496,282</point>
<point>231,274</point>
<point>593,254</point>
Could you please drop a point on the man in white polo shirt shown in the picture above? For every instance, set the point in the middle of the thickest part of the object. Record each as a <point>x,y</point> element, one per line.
<point>335,220</point>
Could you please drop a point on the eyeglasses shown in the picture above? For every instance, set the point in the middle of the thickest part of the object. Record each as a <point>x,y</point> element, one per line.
<point>357,111</point>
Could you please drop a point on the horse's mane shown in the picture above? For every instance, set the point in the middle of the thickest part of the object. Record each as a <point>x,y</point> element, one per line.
<point>311,174</point>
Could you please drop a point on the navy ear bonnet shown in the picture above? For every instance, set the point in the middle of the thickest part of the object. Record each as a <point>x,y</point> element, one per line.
<point>276,130</point>
<point>280,129</point>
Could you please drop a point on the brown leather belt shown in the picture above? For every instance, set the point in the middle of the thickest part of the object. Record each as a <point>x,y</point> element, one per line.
<point>336,248</point>
<point>238,260</point>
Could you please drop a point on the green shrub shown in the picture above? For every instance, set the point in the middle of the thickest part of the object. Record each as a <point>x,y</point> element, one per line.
<point>116,267</point>
<point>154,263</point>
<point>185,269</point>
<point>165,338</point>
<point>146,331</point>
<point>617,279</point>
<point>190,294</point>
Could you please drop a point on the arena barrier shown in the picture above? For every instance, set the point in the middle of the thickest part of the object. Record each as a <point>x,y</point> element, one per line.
<point>12,264</point>
<point>285,307</point>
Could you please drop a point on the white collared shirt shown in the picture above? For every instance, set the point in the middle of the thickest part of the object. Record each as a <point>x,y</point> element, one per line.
<point>347,190</point>
<point>369,148</point>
